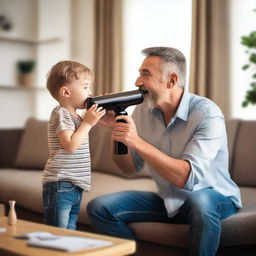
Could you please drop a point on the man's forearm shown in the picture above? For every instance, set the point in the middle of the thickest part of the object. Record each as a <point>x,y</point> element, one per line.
<point>173,170</point>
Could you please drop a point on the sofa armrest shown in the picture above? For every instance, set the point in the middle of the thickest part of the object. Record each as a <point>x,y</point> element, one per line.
<point>9,144</point>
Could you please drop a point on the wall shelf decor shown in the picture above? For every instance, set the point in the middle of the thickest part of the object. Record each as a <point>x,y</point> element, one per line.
<point>12,39</point>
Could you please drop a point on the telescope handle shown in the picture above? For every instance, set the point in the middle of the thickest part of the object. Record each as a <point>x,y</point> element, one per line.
<point>120,148</point>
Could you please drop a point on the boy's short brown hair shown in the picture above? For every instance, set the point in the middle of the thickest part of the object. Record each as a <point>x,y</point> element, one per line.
<point>63,73</point>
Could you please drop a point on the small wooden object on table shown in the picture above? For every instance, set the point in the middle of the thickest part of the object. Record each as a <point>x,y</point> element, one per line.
<point>2,210</point>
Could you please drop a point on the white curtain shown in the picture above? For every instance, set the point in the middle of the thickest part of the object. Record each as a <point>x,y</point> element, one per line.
<point>108,46</point>
<point>209,67</point>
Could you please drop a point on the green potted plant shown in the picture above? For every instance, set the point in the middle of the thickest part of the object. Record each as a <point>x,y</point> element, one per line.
<point>26,68</point>
<point>249,42</point>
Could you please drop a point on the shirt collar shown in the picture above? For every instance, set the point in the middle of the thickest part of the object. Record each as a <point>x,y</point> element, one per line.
<point>183,108</point>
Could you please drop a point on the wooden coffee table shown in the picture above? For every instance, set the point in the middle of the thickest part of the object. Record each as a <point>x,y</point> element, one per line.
<point>13,246</point>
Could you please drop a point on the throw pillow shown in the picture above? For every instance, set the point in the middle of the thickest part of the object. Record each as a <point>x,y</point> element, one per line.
<point>33,149</point>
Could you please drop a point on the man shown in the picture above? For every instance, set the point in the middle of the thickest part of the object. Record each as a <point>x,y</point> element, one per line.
<point>180,138</point>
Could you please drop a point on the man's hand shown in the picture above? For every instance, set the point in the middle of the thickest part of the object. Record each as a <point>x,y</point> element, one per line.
<point>126,132</point>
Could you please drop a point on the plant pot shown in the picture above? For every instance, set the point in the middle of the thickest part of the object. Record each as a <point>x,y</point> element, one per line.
<point>26,79</point>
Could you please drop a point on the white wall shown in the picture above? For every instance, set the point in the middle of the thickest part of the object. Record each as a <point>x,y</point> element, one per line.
<point>54,21</point>
<point>15,107</point>
<point>82,41</point>
<point>21,13</point>
<point>32,20</point>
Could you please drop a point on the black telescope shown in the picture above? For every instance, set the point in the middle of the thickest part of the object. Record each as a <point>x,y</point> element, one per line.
<point>118,102</point>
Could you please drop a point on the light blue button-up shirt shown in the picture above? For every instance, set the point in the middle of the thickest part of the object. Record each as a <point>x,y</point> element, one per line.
<point>196,133</point>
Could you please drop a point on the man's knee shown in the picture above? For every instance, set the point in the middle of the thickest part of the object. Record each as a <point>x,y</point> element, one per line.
<point>95,206</point>
<point>199,199</point>
<point>202,205</point>
<point>102,206</point>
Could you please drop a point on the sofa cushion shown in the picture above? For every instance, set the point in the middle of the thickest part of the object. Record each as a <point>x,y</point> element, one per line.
<point>27,191</point>
<point>248,196</point>
<point>243,171</point>
<point>162,233</point>
<point>9,143</point>
<point>240,228</point>
<point>232,128</point>
<point>101,155</point>
<point>237,229</point>
<point>33,149</point>
<point>25,187</point>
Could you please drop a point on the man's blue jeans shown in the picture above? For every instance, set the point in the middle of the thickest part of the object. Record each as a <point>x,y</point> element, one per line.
<point>203,211</point>
<point>61,202</point>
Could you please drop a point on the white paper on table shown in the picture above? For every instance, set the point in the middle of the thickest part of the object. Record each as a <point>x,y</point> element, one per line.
<point>2,229</point>
<point>64,243</point>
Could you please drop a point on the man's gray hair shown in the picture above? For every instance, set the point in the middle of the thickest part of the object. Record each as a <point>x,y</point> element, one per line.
<point>173,61</point>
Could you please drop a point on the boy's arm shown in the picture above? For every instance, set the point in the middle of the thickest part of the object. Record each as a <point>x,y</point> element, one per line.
<point>72,140</point>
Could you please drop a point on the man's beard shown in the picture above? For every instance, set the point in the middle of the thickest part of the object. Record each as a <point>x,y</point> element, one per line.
<point>151,101</point>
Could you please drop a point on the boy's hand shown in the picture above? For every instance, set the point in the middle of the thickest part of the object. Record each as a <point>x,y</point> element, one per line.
<point>93,115</point>
<point>108,119</point>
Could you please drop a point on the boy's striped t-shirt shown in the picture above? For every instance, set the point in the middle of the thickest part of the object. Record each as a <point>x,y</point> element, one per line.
<point>74,167</point>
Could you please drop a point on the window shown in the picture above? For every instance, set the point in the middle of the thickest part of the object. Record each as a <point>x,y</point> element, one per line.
<point>149,23</point>
<point>243,20</point>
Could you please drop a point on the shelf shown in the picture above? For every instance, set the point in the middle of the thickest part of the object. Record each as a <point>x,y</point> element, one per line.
<point>29,41</point>
<point>21,87</point>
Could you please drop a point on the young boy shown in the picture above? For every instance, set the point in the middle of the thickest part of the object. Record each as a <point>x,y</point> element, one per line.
<point>68,170</point>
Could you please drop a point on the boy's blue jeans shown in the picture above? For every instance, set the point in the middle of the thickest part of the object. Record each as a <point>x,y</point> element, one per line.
<point>203,211</point>
<point>61,202</point>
